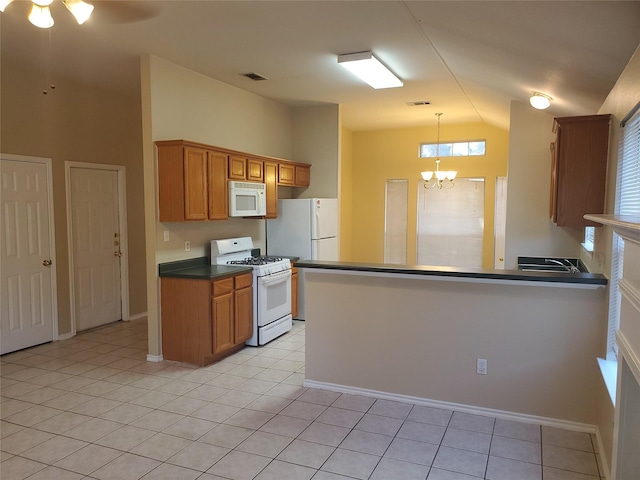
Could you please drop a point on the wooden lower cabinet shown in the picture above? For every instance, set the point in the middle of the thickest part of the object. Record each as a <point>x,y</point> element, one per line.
<point>204,321</point>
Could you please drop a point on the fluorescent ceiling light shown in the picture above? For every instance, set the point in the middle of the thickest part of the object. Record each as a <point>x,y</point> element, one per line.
<point>369,69</point>
<point>540,100</point>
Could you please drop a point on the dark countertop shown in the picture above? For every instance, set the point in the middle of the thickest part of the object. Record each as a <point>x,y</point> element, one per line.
<point>200,269</point>
<point>475,273</point>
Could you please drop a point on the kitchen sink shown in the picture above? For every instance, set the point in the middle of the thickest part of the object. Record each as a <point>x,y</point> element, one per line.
<point>551,264</point>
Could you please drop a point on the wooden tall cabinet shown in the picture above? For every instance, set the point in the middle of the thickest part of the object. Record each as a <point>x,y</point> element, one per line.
<point>578,168</point>
<point>192,182</point>
<point>271,182</point>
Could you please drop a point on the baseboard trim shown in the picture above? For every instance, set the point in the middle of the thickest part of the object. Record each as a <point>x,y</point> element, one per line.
<point>137,316</point>
<point>603,458</point>
<point>519,417</point>
<point>65,336</point>
<point>154,358</point>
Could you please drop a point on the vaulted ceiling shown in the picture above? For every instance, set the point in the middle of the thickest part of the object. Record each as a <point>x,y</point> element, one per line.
<point>469,59</point>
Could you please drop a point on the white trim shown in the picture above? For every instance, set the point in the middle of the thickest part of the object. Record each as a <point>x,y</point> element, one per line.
<point>137,316</point>
<point>52,234</point>
<point>65,336</point>
<point>154,358</point>
<point>122,225</point>
<point>458,407</point>
<point>630,357</point>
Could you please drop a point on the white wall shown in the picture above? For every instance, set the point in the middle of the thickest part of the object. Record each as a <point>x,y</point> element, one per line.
<point>529,230</point>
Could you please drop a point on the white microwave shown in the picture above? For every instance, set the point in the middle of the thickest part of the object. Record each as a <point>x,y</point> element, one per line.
<point>247,199</point>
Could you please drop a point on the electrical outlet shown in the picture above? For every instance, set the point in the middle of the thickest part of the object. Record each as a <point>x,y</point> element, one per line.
<point>166,235</point>
<point>481,366</point>
<point>187,246</point>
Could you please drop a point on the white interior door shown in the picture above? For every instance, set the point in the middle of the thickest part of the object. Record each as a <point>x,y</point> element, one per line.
<point>96,246</point>
<point>27,305</point>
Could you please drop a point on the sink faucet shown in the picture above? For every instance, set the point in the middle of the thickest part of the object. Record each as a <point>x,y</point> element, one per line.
<point>568,266</point>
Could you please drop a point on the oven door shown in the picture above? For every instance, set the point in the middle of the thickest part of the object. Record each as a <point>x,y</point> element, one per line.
<point>273,297</point>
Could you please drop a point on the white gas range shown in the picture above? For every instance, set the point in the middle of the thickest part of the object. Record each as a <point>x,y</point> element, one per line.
<point>271,286</point>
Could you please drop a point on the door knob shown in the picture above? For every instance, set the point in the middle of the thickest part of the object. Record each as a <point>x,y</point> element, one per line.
<point>46,263</point>
<point>117,254</point>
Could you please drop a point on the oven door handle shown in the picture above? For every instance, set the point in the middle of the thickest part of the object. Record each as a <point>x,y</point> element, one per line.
<point>274,278</point>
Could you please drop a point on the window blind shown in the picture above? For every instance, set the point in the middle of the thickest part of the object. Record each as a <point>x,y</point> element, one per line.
<point>627,203</point>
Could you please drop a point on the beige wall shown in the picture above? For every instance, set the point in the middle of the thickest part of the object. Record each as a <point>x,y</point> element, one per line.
<point>380,155</point>
<point>316,141</point>
<point>181,104</point>
<point>420,337</point>
<point>80,123</point>
<point>529,230</point>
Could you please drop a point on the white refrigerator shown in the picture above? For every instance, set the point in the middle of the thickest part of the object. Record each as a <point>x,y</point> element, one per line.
<point>305,228</point>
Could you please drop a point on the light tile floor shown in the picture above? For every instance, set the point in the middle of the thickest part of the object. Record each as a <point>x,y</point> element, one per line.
<point>93,407</point>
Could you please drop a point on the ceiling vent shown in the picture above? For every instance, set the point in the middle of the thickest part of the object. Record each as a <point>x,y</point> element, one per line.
<point>418,103</point>
<point>256,77</point>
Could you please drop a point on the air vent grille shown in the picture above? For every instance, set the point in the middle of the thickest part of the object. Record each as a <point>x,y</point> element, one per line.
<point>418,103</point>
<point>254,76</point>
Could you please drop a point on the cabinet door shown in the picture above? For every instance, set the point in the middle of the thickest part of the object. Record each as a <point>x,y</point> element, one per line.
<point>271,182</point>
<point>286,174</point>
<point>553,193</point>
<point>294,292</point>
<point>218,192</point>
<point>302,176</point>
<point>243,314</point>
<point>222,321</point>
<point>254,170</point>
<point>195,184</point>
<point>237,167</point>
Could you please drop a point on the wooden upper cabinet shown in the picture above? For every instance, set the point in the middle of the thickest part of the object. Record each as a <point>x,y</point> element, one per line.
<point>286,174</point>
<point>192,183</point>
<point>237,167</point>
<point>302,176</point>
<point>218,190</point>
<point>255,171</point>
<point>195,184</point>
<point>271,182</point>
<point>193,179</point>
<point>579,168</point>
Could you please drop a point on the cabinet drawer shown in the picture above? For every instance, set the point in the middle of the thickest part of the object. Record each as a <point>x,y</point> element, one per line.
<point>242,281</point>
<point>222,287</point>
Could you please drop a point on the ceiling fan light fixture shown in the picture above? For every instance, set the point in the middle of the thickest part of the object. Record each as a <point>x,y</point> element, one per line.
<point>369,69</point>
<point>81,10</point>
<point>4,4</point>
<point>540,100</point>
<point>42,3</point>
<point>41,16</point>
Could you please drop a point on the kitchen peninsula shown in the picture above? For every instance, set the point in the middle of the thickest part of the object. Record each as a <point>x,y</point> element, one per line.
<point>414,333</point>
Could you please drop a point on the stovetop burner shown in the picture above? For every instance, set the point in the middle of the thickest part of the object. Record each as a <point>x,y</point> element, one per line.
<point>262,260</point>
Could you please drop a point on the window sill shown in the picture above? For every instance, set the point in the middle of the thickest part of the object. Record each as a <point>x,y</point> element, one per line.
<point>609,371</point>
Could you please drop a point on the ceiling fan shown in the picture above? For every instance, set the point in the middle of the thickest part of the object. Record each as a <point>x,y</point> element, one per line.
<point>40,15</point>
<point>108,12</point>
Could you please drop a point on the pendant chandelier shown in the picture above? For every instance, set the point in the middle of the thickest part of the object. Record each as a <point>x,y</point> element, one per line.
<point>439,178</point>
<point>40,15</point>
